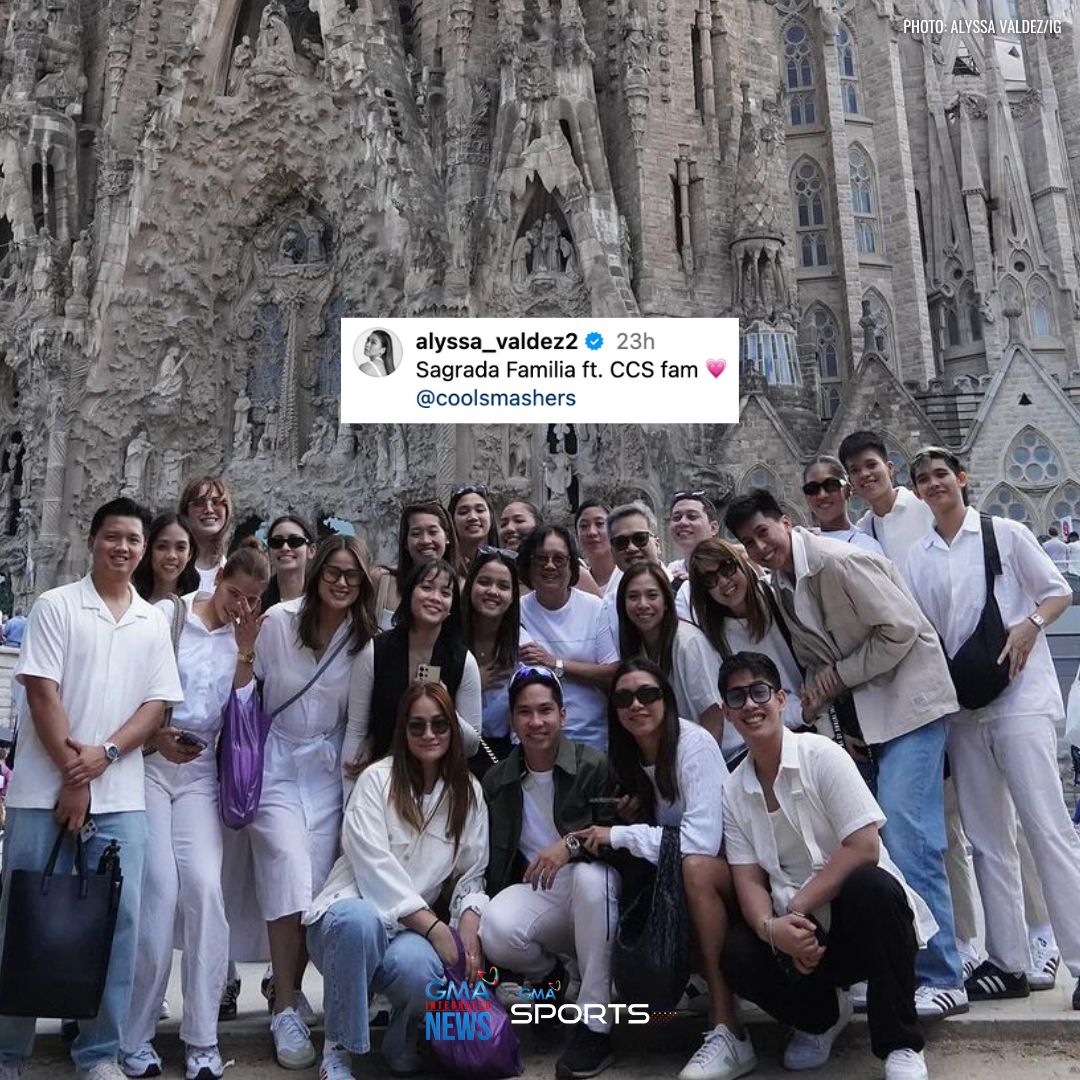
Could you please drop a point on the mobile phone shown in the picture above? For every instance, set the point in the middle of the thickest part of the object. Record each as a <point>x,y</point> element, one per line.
<point>428,673</point>
<point>189,738</point>
<point>88,831</point>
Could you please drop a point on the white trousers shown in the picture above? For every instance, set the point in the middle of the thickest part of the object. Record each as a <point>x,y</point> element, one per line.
<point>1017,756</point>
<point>526,930</point>
<point>182,881</point>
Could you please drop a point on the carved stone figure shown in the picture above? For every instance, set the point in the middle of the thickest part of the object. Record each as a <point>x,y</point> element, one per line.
<point>274,48</point>
<point>43,276</point>
<point>558,476</point>
<point>637,37</point>
<point>135,461</point>
<point>169,383</point>
<point>268,441</point>
<point>242,425</point>
<point>321,434</point>
<point>172,466</point>
<point>80,276</point>
<point>519,270</point>
<point>242,57</point>
<point>626,248</point>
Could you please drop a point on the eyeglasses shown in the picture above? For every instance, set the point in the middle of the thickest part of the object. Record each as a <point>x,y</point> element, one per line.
<point>215,502</point>
<point>645,695</point>
<point>333,574</point>
<point>439,725</point>
<point>757,692</point>
<point>831,485</point>
<point>638,539</point>
<point>294,542</point>
<point>469,489</point>
<point>725,568</point>
<point>560,562</point>
<point>680,495</point>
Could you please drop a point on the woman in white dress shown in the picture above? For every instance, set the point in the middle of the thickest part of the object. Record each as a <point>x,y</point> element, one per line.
<point>291,542</point>
<point>184,850</point>
<point>207,506</point>
<point>304,656</point>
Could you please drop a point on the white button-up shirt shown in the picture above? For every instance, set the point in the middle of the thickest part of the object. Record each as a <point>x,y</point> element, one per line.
<point>105,669</point>
<point>825,800</point>
<point>900,529</point>
<point>949,582</point>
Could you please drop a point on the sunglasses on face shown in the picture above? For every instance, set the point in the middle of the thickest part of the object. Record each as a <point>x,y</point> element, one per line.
<point>294,542</point>
<point>725,568</point>
<point>831,485</point>
<point>757,692</point>
<point>333,574</point>
<point>469,489</point>
<point>644,695</point>
<point>214,502</point>
<point>638,539</point>
<point>417,728</point>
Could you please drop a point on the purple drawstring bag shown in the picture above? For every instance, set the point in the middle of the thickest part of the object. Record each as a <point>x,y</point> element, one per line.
<point>497,1056</point>
<point>240,760</point>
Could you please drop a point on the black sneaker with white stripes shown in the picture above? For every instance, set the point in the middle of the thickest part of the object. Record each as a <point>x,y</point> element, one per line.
<point>989,983</point>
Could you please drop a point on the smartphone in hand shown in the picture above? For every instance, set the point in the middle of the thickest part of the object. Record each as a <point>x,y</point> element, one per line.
<point>189,738</point>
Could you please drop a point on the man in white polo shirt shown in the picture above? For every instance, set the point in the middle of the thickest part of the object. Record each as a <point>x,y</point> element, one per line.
<point>693,519</point>
<point>98,668</point>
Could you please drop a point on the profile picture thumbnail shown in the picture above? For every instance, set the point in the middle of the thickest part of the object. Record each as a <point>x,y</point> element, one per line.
<point>377,353</point>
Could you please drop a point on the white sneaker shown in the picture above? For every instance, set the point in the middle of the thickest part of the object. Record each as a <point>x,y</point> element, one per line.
<point>103,1070</point>
<point>807,1051</point>
<point>203,1063</point>
<point>1045,961</point>
<point>165,1011</point>
<point>336,1065</point>
<point>695,997</point>
<point>906,1065</point>
<point>303,1007</point>
<point>722,1056</point>
<point>858,996</point>
<point>970,957</point>
<point>292,1040</point>
<point>935,1003</point>
<point>141,1062</point>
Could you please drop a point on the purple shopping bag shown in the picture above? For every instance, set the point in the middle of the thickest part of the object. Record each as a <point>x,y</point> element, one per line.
<point>240,760</point>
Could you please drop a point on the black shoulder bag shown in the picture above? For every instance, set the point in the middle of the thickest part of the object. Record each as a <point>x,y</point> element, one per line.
<point>976,674</point>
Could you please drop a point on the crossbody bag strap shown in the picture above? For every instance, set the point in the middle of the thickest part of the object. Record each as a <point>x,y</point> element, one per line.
<point>991,555</point>
<point>176,629</point>
<point>313,680</point>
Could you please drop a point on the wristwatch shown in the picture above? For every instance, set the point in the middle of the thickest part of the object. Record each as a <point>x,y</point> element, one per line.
<point>112,752</point>
<point>1037,619</point>
<point>573,845</point>
<point>560,669</point>
<point>247,656</point>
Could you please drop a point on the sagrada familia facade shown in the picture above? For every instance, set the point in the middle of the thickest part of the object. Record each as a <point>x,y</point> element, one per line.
<point>194,192</point>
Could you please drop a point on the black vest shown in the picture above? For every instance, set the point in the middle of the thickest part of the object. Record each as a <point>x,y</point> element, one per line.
<point>392,679</point>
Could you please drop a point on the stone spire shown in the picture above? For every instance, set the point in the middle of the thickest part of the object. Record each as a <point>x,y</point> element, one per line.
<point>755,210</point>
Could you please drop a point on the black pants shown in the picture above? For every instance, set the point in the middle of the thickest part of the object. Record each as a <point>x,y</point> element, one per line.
<point>872,937</point>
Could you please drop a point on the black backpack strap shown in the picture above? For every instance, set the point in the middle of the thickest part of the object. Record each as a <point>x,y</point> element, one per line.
<point>991,556</point>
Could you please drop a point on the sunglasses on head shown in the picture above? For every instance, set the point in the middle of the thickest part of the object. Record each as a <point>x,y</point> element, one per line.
<point>831,485</point>
<point>644,695</point>
<point>294,542</point>
<point>487,549</point>
<point>439,725</point>
<point>757,692</point>
<point>535,671</point>
<point>725,568</point>
<point>680,495</point>
<point>638,539</point>
<point>469,489</point>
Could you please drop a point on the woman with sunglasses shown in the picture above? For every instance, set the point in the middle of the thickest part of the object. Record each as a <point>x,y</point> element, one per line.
<point>473,521</point>
<point>590,525</point>
<point>649,627</point>
<point>736,612</point>
<point>291,541</point>
<point>424,532</point>
<point>569,632</point>
<point>674,773</point>
<point>415,822</point>
<point>827,491</point>
<point>168,564</point>
<point>426,643</point>
<point>207,505</point>
<point>491,613</point>
<point>184,852</point>
<point>305,657</point>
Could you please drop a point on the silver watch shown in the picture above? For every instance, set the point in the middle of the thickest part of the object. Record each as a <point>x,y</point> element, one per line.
<point>112,752</point>
<point>1037,619</point>
<point>573,845</point>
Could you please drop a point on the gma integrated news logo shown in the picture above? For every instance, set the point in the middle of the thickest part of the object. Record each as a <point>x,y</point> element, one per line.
<point>457,1011</point>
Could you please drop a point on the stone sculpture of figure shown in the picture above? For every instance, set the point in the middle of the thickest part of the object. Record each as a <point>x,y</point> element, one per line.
<point>6,481</point>
<point>520,450</point>
<point>320,431</point>
<point>80,275</point>
<point>41,277</point>
<point>274,49</point>
<point>138,454</point>
<point>626,247</point>
<point>293,245</point>
<point>768,287</point>
<point>241,60</point>
<point>549,244</point>
<point>533,234</point>
<point>268,441</point>
<point>519,263</point>
<point>636,40</point>
<point>242,425</point>
<point>170,378</point>
<point>399,464</point>
<point>172,466</point>
<point>569,254</point>
<point>558,476</point>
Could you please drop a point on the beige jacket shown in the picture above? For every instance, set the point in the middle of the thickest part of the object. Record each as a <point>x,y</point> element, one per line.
<point>863,618</point>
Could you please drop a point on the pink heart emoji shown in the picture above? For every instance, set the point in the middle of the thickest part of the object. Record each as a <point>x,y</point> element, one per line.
<point>716,367</point>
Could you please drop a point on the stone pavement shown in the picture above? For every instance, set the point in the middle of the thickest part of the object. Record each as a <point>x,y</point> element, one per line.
<point>1037,1038</point>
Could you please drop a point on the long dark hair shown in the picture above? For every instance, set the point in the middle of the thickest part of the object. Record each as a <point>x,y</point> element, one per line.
<point>710,615</point>
<point>143,578</point>
<point>273,589</point>
<point>507,635</point>
<point>457,496</point>
<point>451,631</point>
<point>364,626</point>
<point>407,777</point>
<point>631,643</point>
<point>623,751</point>
<point>404,559</point>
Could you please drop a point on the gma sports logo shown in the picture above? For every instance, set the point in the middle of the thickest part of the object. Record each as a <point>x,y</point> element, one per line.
<point>454,1011</point>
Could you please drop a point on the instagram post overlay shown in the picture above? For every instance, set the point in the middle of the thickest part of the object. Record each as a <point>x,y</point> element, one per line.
<point>541,370</point>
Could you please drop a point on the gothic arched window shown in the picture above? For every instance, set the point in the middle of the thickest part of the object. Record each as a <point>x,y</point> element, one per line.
<point>1066,503</point>
<point>862,201</point>
<point>1004,502</point>
<point>849,70</point>
<point>808,191</point>
<point>1041,322</point>
<point>1031,461</point>
<point>799,75</point>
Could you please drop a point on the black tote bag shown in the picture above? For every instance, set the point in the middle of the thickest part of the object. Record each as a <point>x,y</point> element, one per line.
<point>650,962</point>
<point>58,938</point>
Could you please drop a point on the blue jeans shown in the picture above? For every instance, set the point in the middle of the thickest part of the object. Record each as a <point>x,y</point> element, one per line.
<point>910,790</point>
<point>28,839</point>
<point>350,947</point>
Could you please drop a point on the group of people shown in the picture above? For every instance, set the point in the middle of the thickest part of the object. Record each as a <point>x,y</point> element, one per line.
<point>492,741</point>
